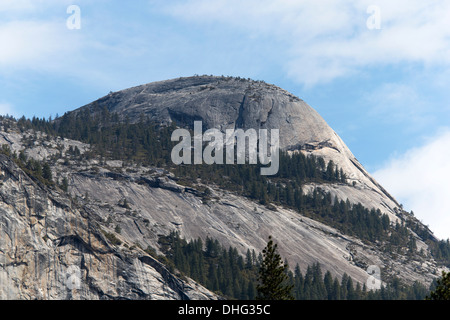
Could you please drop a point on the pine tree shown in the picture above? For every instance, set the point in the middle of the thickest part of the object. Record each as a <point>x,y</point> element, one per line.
<point>248,260</point>
<point>47,172</point>
<point>65,184</point>
<point>336,291</point>
<point>213,281</point>
<point>442,291</point>
<point>251,290</point>
<point>298,284</point>
<point>328,282</point>
<point>273,275</point>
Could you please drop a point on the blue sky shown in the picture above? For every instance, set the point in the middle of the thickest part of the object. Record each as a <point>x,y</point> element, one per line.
<point>377,71</point>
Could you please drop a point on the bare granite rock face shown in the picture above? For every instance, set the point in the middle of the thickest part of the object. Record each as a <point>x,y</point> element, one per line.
<point>222,103</point>
<point>84,245</point>
<point>50,248</point>
<point>229,103</point>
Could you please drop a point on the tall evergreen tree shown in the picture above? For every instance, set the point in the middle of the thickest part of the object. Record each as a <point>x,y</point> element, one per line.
<point>442,291</point>
<point>47,172</point>
<point>273,276</point>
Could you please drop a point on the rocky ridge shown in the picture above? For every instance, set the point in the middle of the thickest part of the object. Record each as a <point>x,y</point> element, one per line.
<point>53,248</point>
<point>47,235</point>
<point>229,103</point>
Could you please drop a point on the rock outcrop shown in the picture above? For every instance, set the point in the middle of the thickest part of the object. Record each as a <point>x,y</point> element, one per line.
<point>84,245</point>
<point>52,248</point>
<point>229,103</point>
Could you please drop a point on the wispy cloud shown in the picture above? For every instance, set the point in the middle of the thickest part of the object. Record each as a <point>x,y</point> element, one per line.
<point>324,40</point>
<point>312,41</point>
<point>34,44</point>
<point>420,179</point>
<point>34,38</point>
<point>400,104</point>
<point>17,5</point>
<point>6,108</point>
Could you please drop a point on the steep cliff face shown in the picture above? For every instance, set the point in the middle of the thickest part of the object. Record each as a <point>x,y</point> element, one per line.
<point>83,244</point>
<point>51,248</point>
<point>229,103</point>
<point>49,238</point>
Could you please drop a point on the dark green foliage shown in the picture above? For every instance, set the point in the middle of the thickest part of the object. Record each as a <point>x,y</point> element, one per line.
<point>442,290</point>
<point>235,277</point>
<point>219,269</point>
<point>47,172</point>
<point>149,143</point>
<point>440,251</point>
<point>143,142</point>
<point>224,270</point>
<point>65,184</point>
<point>37,170</point>
<point>112,238</point>
<point>273,276</point>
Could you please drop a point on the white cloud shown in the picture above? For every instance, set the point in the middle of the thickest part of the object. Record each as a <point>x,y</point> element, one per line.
<point>35,39</point>
<point>420,179</point>
<point>22,6</point>
<point>30,43</point>
<point>313,41</point>
<point>6,108</point>
<point>400,103</point>
<point>45,45</point>
<point>324,40</point>
<point>34,36</point>
<point>16,5</point>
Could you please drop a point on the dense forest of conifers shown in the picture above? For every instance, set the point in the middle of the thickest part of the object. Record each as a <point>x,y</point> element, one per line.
<point>225,271</point>
<point>149,144</point>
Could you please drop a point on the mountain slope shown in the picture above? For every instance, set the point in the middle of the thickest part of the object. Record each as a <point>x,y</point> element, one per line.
<point>125,206</point>
<point>228,103</point>
<point>52,248</point>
